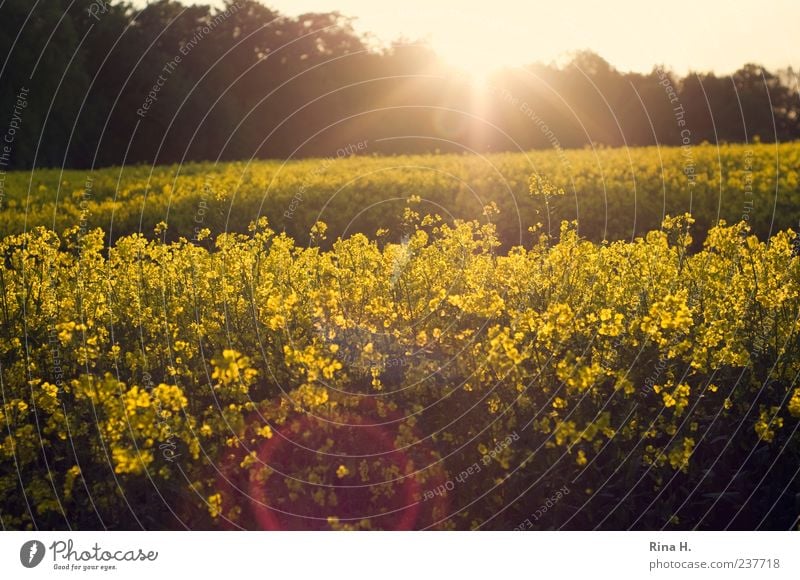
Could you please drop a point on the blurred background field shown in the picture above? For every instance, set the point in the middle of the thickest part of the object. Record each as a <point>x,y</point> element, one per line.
<point>614,193</point>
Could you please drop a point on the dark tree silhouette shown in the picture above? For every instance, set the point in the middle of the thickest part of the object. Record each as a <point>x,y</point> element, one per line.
<point>108,84</point>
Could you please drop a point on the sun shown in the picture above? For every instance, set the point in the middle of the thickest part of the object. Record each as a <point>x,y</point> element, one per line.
<point>474,61</point>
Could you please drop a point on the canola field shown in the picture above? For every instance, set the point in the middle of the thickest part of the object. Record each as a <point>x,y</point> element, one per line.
<point>601,339</point>
<point>613,193</point>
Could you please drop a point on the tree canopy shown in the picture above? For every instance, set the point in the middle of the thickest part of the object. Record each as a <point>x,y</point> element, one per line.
<point>105,83</point>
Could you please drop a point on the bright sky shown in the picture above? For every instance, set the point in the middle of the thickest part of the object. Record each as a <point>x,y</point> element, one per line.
<point>700,35</point>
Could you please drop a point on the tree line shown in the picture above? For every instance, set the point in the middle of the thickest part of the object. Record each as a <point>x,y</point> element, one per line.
<point>106,83</point>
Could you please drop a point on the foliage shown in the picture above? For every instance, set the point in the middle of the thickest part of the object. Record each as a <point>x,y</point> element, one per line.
<point>613,193</point>
<point>115,83</point>
<point>429,383</point>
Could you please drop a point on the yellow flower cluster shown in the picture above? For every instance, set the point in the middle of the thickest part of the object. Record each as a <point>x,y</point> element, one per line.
<point>365,375</point>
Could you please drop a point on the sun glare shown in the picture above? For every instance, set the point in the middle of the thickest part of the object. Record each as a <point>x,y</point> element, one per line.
<point>476,62</point>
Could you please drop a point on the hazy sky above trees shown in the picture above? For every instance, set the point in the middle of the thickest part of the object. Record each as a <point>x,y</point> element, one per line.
<point>704,35</point>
